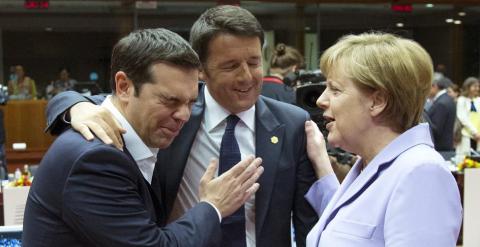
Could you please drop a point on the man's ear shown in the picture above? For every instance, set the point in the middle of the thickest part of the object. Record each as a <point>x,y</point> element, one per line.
<point>378,103</point>
<point>123,86</point>
<point>202,75</point>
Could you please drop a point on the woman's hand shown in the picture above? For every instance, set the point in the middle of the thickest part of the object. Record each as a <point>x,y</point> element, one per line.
<point>317,150</point>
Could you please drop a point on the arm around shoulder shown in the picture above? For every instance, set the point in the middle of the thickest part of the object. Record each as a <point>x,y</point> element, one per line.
<point>60,104</point>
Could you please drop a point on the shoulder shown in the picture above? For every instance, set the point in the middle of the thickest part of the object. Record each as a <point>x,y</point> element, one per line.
<point>420,159</point>
<point>282,109</point>
<point>72,146</point>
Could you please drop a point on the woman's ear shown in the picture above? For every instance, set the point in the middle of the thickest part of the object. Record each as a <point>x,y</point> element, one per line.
<point>294,68</point>
<point>378,103</point>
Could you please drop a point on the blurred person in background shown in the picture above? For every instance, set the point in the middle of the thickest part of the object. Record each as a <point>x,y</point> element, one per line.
<point>285,60</point>
<point>22,87</point>
<point>398,193</point>
<point>468,107</point>
<point>442,115</point>
<point>62,84</point>
<point>454,91</point>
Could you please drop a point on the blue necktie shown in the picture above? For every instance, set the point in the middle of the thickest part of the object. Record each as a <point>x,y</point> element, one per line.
<point>233,226</point>
<point>472,107</point>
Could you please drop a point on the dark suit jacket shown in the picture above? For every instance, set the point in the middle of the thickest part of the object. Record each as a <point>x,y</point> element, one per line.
<point>91,194</point>
<point>442,115</point>
<point>281,92</point>
<point>287,176</point>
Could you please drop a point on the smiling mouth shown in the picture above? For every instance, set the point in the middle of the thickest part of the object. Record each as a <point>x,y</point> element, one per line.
<point>243,90</point>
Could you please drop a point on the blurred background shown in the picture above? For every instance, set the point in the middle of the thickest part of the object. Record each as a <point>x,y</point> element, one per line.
<point>45,36</point>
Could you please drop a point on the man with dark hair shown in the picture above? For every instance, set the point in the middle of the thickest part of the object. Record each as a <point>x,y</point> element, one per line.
<point>87,193</point>
<point>230,110</point>
<point>442,114</point>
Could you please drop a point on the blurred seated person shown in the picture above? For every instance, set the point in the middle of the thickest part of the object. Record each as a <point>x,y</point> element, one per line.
<point>285,60</point>
<point>64,83</point>
<point>22,86</point>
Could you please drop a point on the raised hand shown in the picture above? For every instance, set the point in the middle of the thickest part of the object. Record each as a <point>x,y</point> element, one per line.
<point>317,150</point>
<point>233,188</point>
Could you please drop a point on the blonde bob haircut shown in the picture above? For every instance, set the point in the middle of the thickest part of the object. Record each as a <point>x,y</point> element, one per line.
<point>397,67</point>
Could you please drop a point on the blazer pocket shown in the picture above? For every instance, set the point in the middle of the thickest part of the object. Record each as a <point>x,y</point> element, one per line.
<point>353,228</point>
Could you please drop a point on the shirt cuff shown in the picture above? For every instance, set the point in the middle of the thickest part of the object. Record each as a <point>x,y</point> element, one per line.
<point>64,117</point>
<point>216,210</point>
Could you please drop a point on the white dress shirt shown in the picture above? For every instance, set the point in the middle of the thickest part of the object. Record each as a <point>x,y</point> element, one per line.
<point>207,146</point>
<point>144,156</point>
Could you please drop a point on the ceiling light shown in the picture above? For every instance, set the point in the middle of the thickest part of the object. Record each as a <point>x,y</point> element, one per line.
<point>48,29</point>
<point>458,22</point>
<point>449,20</point>
<point>399,24</point>
<point>429,5</point>
<point>461,13</point>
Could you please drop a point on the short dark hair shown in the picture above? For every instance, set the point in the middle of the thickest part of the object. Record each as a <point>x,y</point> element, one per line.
<point>137,52</point>
<point>223,19</point>
<point>443,82</point>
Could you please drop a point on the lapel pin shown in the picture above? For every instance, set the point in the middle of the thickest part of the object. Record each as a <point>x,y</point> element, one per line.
<point>274,139</point>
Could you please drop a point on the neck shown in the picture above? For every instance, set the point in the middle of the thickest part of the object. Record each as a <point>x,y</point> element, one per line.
<point>374,141</point>
<point>119,105</point>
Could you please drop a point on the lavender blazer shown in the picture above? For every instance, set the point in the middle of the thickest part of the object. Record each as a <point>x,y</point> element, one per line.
<point>404,197</point>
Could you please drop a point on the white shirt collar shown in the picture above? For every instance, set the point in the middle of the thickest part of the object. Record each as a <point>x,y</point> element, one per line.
<point>133,142</point>
<point>215,113</point>
<point>440,93</point>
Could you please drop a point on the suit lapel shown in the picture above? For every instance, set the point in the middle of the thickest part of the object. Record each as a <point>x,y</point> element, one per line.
<point>159,216</point>
<point>269,135</point>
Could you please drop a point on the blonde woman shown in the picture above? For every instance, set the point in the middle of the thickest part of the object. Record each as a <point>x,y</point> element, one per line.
<point>398,193</point>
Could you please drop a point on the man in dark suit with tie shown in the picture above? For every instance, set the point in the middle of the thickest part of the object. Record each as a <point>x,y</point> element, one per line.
<point>229,42</point>
<point>88,193</point>
<point>442,114</point>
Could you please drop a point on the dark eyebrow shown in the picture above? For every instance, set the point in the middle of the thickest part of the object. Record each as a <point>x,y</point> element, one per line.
<point>175,99</point>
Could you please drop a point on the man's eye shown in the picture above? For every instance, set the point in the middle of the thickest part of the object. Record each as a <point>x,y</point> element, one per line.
<point>229,67</point>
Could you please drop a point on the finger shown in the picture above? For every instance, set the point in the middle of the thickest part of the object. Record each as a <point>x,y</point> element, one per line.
<point>100,133</point>
<point>239,167</point>
<point>249,171</point>
<point>118,134</point>
<point>252,190</point>
<point>310,126</point>
<point>84,131</point>
<point>253,178</point>
<point>116,128</point>
<point>211,170</point>
<point>114,135</point>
